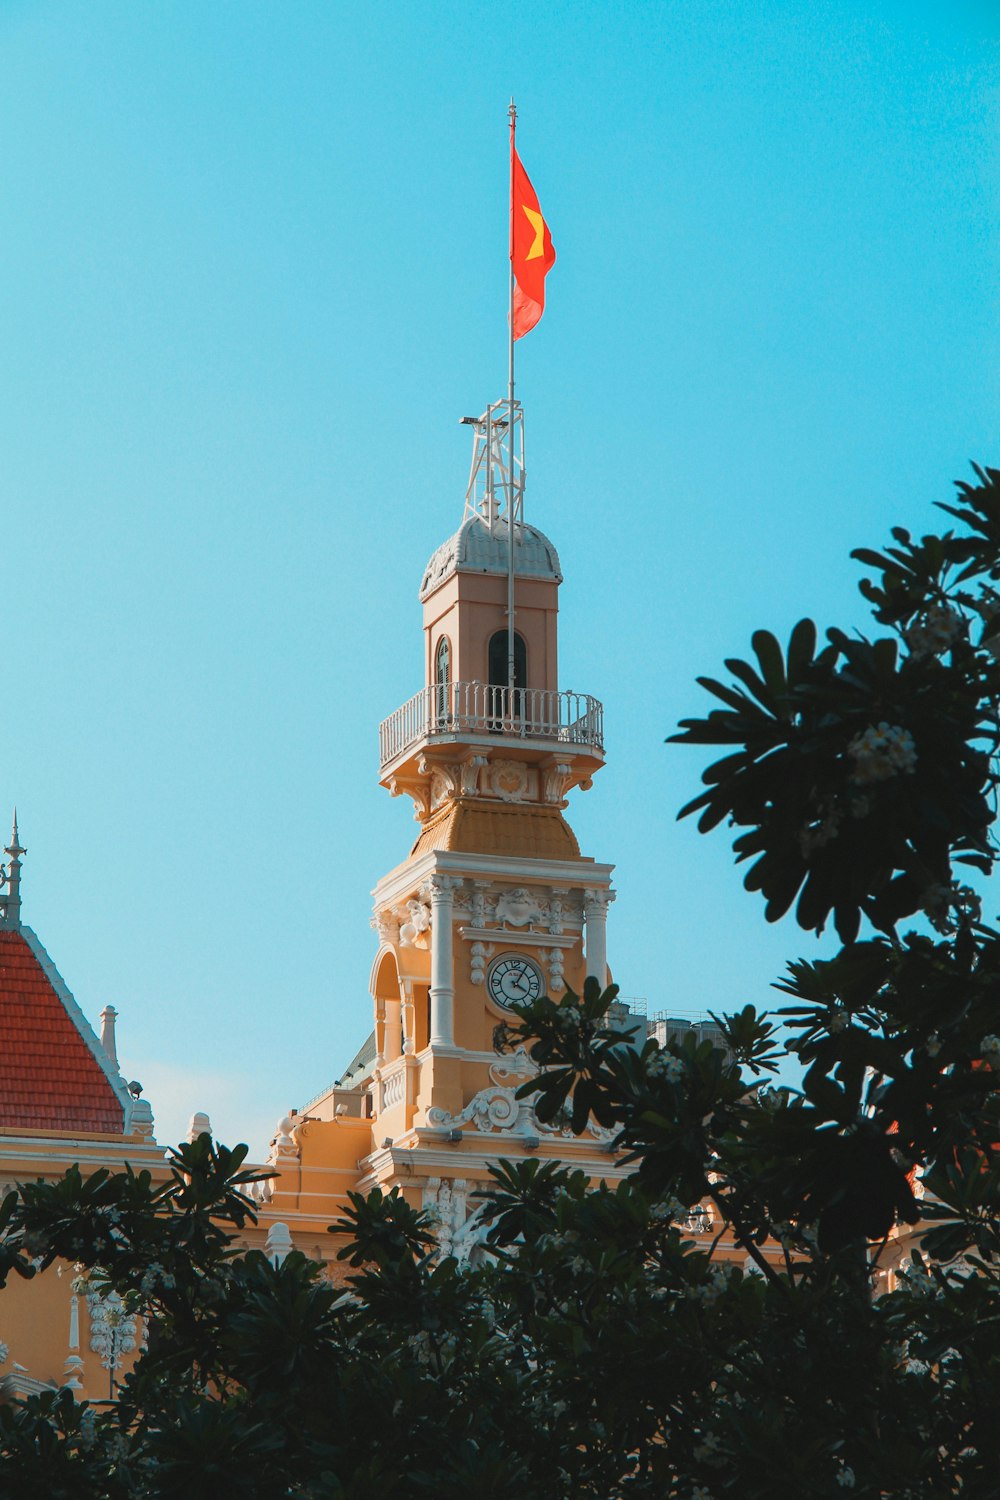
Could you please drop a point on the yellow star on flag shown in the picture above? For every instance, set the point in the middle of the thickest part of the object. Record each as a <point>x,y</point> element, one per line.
<point>538,225</point>
<point>531,251</point>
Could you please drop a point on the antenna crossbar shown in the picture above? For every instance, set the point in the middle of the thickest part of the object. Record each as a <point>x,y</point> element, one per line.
<point>496,476</point>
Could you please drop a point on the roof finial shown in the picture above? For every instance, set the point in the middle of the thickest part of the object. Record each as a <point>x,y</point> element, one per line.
<point>10,900</point>
<point>108,1017</point>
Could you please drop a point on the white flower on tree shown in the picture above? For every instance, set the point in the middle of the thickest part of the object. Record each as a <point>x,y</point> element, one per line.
<point>665,1065</point>
<point>939,628</point>
<point>882,751</point>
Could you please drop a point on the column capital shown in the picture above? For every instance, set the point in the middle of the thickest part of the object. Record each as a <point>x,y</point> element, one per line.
<point>597,898</point>
<point>595,910</point>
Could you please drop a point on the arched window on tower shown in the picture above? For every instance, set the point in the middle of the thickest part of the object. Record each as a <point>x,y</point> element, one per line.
<point>442,680</point>
<point>507,707</point>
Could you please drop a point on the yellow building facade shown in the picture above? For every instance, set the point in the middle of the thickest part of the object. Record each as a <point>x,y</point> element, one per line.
<point>493,902</point>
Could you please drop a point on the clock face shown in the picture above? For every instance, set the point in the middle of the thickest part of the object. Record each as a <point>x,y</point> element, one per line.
<point>514,977</point>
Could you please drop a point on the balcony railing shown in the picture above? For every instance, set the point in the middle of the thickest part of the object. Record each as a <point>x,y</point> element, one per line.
<point>456,708</point>
<point>393,1084</point>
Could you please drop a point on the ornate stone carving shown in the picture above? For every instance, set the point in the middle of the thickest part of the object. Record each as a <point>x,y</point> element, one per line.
<point>555,916</point>
<point>596,1132</point>
<point>479,903</point>
<point>460,1233</point>
<point>469,774</point>
<point>493,1110</point>
<point>518,908</point>
<point>386,924</point>
<point>479,956</point>
<point>415,789</point>
<point>572,911</point>
<point>461,906</point>
<point>554,780</point>
<point>596,903</point>
<point>417,923</point>
<point>497,1111</point>
<point>510,1065</point>
<point>509,780</point>
<point>113,1331</point>
<point>443,784</point>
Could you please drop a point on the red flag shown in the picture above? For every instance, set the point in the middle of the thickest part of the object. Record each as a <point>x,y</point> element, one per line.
<point>532,254</point>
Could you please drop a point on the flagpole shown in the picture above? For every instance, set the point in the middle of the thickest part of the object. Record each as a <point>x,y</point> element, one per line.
<point>512,113</point>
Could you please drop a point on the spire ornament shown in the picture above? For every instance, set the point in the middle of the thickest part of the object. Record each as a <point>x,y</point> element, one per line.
<point>10,882</point>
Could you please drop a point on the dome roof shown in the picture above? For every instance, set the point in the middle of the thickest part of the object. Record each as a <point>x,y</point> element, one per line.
<point>475,549</point>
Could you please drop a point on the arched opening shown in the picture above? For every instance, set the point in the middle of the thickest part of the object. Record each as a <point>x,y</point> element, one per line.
<point>442,662</point>
<point>498,664</point>
<point>506,705</point>
<point>388,1011</point>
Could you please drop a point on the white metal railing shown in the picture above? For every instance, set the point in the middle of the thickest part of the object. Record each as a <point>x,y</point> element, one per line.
<point>478,708</point>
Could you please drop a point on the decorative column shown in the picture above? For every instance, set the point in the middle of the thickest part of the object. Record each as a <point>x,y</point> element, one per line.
<point>411,1068</point>
<point>409,1019</point>
<point>595,911</point>
<point>74,1364</point>
<point>393,1030</point>
<point>379,1031</point>
<point>442,962</point>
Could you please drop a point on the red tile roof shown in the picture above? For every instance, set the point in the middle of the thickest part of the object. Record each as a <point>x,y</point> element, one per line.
<point>49,1077</point>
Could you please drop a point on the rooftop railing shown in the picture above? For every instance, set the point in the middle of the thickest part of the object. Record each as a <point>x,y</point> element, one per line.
<point>476,708</point>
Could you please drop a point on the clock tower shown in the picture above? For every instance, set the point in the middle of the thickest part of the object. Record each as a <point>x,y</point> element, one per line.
<point>494,902</point>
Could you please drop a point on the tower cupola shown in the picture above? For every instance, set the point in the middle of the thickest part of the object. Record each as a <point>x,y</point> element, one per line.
<point>476,548</point>
<point>491,679</point>
<point>464,594</point>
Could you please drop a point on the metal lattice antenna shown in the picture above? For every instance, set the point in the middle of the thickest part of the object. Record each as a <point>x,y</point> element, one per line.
<point>10,900</point>
<point>496,477</point>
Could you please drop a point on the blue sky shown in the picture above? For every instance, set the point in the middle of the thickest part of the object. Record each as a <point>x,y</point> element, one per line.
<point>253,272</point>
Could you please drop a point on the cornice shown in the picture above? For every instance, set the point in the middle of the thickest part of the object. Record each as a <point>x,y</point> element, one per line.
<point>422,1159</point>
<point>525,936</point>
<point>579,874</point>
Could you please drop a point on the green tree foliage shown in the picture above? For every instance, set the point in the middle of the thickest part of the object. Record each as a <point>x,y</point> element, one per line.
<point>598,1350</point>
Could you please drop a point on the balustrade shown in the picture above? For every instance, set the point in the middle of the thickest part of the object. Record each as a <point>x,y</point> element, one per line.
<point>393,1085</point>
<point>478,708</point>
